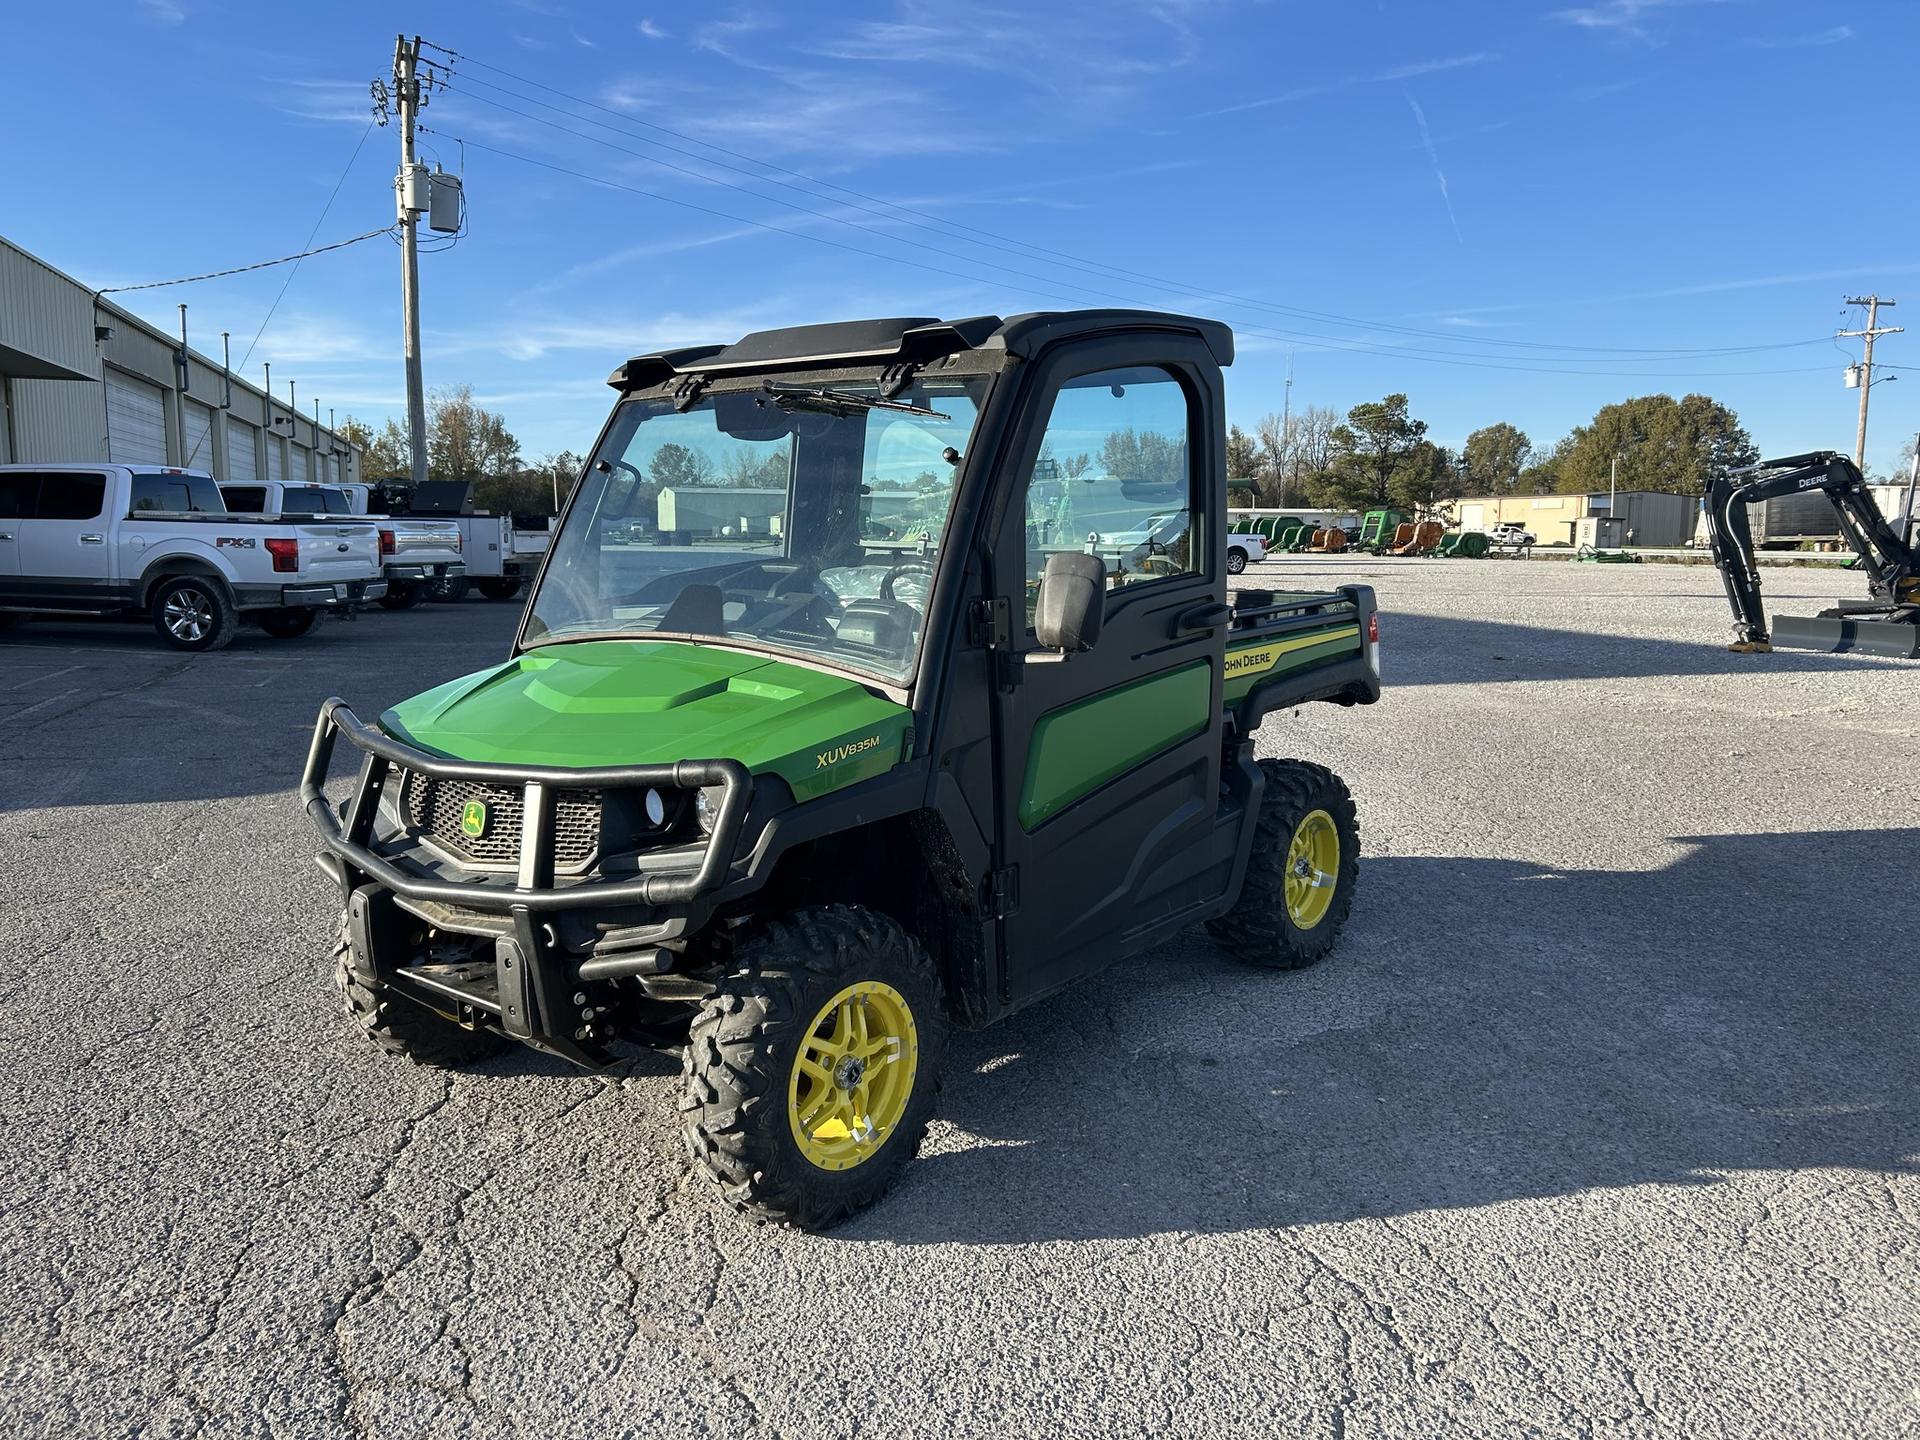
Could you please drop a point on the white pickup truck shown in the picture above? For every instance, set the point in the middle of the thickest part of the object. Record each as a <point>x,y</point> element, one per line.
<point>415,554</point>
<point>502,556</point>
<point>155,541</point>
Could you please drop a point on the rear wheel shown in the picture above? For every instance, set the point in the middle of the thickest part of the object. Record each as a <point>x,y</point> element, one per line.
<point>500,589</point>
<point>447,588</point>
<point>192,612</point>
<point>401,1025</point>
<point>401,594</point>
<point>1301,874</point>
<point>290,623</point>
<point>812,1070</point>
<point>1236,560</point>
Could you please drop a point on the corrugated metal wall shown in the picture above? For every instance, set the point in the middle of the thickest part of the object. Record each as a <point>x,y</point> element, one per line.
<point>45,314</point>
<point>48,316</point>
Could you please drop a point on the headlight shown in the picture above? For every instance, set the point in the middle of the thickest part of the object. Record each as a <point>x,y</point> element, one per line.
<point>656,805</point>
<point>706,808</point>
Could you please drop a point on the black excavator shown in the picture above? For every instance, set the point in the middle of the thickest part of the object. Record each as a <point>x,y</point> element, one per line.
<point>1886,623</point>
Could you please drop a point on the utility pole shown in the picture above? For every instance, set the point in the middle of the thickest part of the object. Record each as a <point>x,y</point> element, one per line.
<point>1867,336</point>
<point>411,196</point>
<point>1286,432</point>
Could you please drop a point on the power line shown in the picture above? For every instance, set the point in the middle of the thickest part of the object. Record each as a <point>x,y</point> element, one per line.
<point>1626,355</point>
<point>331,197</point>
<point>243,269</point>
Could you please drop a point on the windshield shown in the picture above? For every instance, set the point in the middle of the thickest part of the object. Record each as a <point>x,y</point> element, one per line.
<point>810,529</point>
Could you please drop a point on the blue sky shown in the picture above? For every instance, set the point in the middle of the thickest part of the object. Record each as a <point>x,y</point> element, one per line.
<point>1503,209</point>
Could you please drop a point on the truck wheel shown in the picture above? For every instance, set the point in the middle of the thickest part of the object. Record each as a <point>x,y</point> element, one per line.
<point>447,590</point>
<point>812,1069</point>
<point>500,589</point>
<point>1236,561</point>
<point>401,1025</point>
<point>1301,874</point>
<point>192,612</point>
<point>401,595</point>
<point>290,623</point>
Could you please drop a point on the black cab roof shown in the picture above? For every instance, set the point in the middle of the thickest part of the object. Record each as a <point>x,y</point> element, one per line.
<point>909,340</point>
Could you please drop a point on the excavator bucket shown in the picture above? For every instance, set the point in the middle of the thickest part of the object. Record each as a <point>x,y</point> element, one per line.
<point>1898,639</point>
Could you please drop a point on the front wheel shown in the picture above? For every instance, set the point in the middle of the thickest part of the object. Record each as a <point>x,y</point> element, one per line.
<point>401,594</point>
<point>290,623</point>
<point>401,1025</point>
<point>1301,873</point>
<point>812,1069</point>
<point>192,612</point>
<point>500,589</point>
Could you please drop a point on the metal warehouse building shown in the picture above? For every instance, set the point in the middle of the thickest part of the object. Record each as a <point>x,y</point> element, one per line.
<point>1655,518</point>
<point>82,379</point>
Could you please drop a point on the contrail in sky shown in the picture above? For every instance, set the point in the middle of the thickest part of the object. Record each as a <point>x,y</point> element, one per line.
<point>1426,141</point>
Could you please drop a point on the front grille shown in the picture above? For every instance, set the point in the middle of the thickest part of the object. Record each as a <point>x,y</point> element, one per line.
<point>437,809</point>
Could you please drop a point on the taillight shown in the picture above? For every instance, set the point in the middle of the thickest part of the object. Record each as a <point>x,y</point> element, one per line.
<point>286,556</point>
<point>458,539</point>
<point>386,542</point>
<point>1373,628</point>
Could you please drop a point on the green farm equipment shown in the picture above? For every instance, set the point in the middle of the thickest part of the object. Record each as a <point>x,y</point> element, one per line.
<point>797,795</point>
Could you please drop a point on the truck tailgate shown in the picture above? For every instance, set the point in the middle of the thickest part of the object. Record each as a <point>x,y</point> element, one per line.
<point>424,542</point>
<point>338,552</point>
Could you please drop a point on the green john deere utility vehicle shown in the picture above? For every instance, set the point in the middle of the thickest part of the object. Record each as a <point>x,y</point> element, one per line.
<point>881,677</point>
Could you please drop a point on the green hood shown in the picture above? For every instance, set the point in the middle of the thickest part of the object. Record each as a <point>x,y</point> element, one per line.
<point>641,702</point>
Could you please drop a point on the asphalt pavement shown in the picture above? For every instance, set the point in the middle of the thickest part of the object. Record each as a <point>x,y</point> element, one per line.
<point>1601,1120</point>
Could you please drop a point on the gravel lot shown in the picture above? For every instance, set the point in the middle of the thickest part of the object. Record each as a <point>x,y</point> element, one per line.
<point>1602,1120</point>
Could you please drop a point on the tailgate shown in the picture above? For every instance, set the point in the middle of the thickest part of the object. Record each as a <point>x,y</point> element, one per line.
<point>425,541</point>
<point>1285,650</point>
<point>339,551</point>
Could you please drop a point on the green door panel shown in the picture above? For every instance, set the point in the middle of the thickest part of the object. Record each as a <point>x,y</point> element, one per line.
<point>641,702</point>
<point>1080,747</point>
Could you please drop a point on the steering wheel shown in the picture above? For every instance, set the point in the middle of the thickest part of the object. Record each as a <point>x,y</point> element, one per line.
<point>912,567</point>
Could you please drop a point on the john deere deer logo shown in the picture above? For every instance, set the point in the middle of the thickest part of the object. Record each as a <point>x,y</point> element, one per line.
<point>473,820</point>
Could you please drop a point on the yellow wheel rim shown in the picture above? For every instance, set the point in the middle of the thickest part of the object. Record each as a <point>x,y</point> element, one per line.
<point>1313,869</point>
<point>853,1076</point>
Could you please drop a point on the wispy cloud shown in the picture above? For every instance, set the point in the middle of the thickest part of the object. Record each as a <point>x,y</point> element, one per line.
<point>1627,19</point>
<point>1834,36</point>
<point>584,42</point>
<point>1433,158</point>
<point>330,100</point>
<point>1428,142</point>
<point>1395,75</point>
<point>163,11</point>
<point>654,30</point>
<point>1679,292</point>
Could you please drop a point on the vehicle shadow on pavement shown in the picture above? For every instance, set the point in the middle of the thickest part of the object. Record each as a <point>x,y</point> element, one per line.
<point>1751,1006</point>
<point>1443,650</point>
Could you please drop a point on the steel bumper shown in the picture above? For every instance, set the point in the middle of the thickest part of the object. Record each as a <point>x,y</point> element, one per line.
<point>349,839</point>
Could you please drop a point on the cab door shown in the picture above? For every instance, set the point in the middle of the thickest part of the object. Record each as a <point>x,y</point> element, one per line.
<point>1109,767</point>
<point>63,544</point>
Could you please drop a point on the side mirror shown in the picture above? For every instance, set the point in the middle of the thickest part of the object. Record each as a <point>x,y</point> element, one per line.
<point>1072,601</point>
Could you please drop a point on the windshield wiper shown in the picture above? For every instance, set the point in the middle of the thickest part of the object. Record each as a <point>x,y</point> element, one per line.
<point>842,402</point>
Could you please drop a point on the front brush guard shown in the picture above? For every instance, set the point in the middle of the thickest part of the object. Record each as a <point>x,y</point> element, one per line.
<point>351,839</point>
<point>532,991</point>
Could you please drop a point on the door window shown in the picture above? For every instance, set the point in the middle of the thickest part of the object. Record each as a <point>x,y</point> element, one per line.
<point>1114,476</point>
<point>66,496</point>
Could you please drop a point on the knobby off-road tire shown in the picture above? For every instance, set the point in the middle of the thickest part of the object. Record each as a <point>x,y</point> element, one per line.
<point>290,623</point>
<point>401,1025</point>
<point>746,1099</point>
<point>1302,805</point>
<point>192,612</point>
<point>402,594</point>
